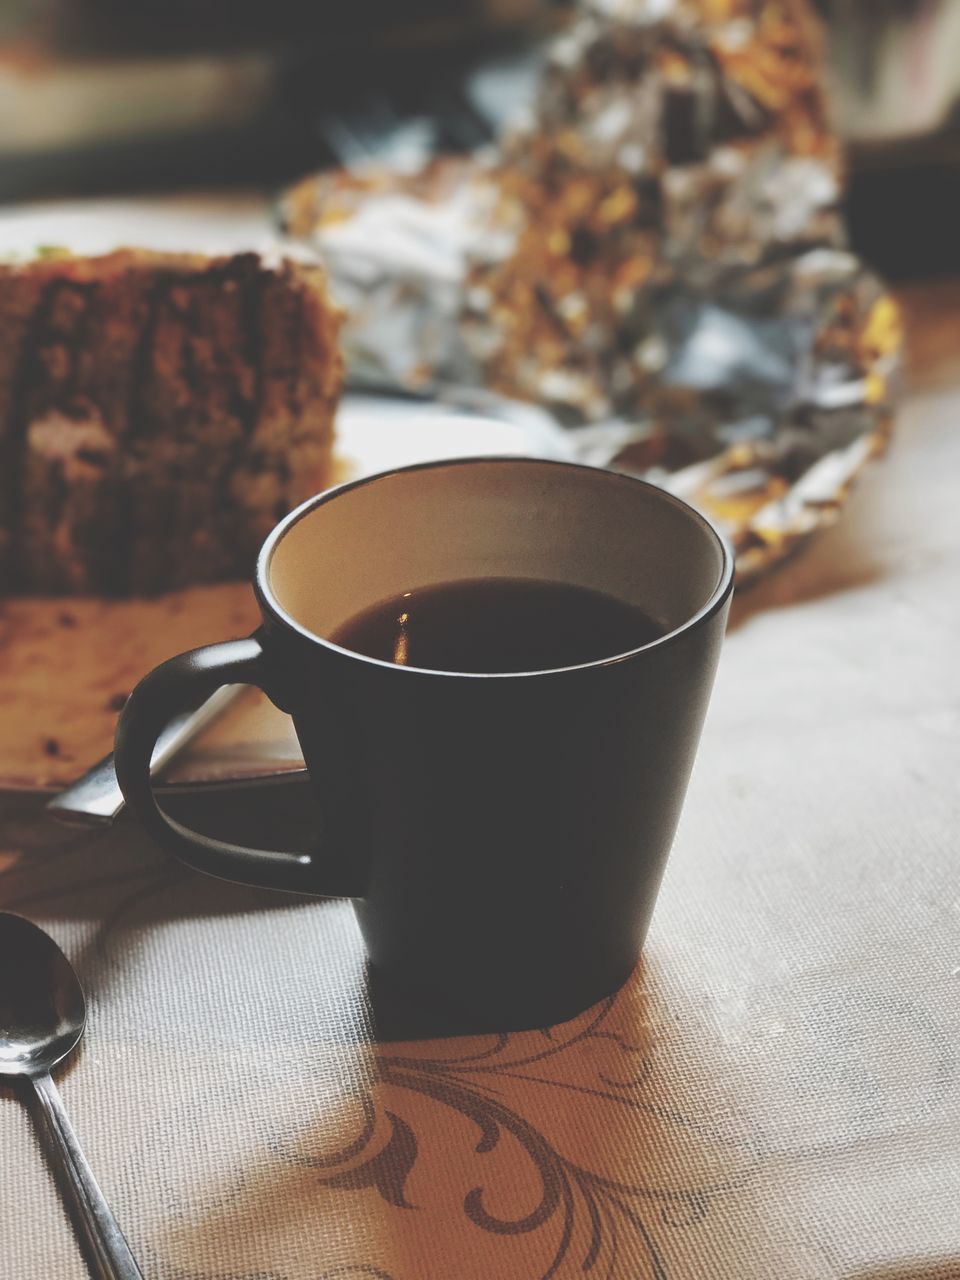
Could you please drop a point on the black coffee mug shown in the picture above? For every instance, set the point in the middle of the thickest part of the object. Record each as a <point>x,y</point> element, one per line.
<point>503,835</point>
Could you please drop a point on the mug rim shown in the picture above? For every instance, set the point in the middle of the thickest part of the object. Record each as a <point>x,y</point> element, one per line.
<point>271,605</point>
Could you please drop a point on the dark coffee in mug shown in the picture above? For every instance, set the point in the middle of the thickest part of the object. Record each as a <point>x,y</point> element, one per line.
<point>498,624</point>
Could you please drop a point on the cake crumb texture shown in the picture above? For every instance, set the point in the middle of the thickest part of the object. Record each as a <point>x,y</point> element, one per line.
<point>158,414</point>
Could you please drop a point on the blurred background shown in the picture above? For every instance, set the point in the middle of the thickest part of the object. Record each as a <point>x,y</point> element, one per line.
<point>104,96</point>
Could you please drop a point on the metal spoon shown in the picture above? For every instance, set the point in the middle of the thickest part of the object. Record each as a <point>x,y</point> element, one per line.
<point>42,1015</point>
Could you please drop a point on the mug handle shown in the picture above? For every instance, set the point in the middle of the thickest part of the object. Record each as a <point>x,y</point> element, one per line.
<point>175,686</point>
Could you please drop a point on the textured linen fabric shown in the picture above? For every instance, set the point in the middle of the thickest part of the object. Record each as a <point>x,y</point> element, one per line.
<point>774,1094</point>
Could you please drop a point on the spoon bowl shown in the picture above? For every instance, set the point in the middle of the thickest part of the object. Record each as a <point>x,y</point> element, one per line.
<point>42,1009</point>
<point>42,1017</point>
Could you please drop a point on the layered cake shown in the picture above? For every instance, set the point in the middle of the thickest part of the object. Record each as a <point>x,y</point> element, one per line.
<point>158,414</point>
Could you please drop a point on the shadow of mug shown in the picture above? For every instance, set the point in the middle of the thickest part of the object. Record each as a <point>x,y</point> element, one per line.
<point>561,1151</point>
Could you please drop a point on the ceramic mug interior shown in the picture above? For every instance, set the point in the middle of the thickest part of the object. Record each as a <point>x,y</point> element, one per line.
<point>488,518</point>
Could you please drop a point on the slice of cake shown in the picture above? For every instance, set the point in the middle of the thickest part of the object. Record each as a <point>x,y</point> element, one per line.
<point>158,414</point>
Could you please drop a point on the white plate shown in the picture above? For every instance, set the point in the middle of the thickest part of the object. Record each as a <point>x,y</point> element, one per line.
<point>379,433</point>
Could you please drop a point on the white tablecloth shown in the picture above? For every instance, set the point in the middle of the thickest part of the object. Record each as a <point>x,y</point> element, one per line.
<point>774,1096</point>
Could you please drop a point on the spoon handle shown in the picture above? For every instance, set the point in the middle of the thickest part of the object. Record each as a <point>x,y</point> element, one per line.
<point>108,1254</point>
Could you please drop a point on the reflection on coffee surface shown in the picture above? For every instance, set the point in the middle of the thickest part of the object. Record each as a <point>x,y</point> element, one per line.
<point>498,625</point>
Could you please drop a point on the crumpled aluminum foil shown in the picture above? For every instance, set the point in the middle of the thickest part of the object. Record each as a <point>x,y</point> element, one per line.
<point>654,255</point>
<point>774,392</point>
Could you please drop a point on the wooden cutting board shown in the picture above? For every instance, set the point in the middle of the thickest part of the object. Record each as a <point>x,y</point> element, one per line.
<point>68,664</point>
